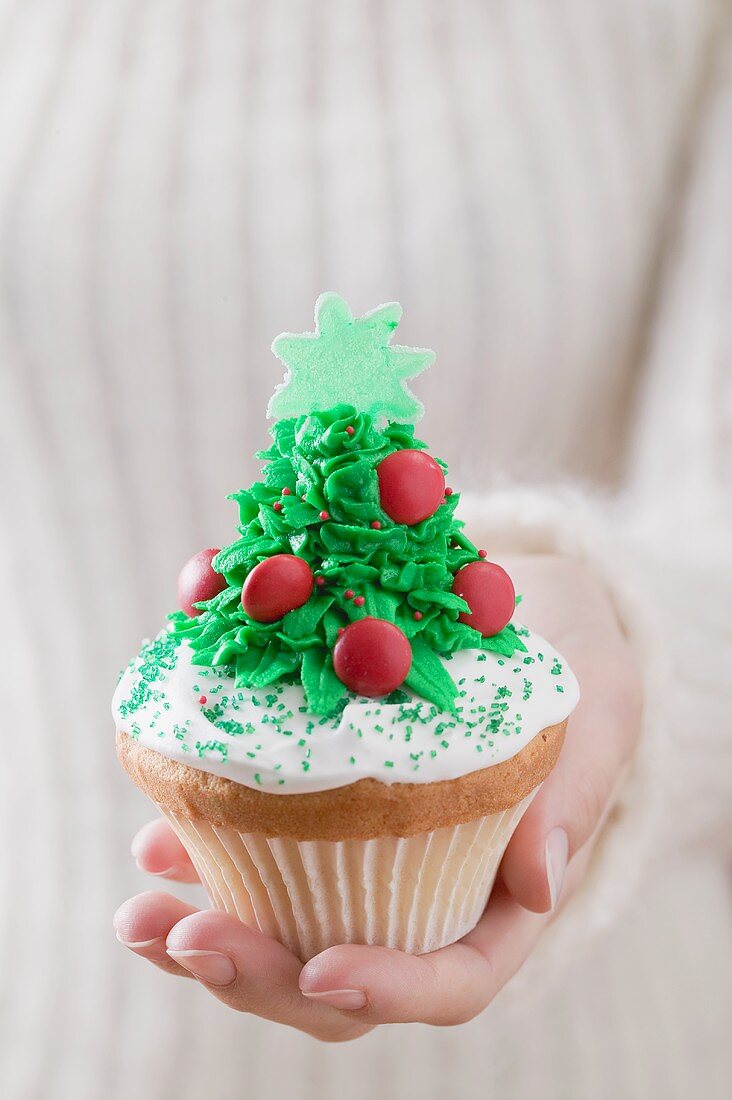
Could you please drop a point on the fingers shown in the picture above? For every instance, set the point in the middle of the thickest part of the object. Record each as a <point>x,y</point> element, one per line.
<point>250,972</point>
<point>240,966</point>
<point>237,964</point>
<point>347,990</point>
<point>574,799</point>
<point>445,987</point>
<point>157,850</point>
<point>143,923</point>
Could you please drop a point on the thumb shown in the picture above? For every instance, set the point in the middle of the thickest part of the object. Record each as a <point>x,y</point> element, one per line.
<point>575,798</point>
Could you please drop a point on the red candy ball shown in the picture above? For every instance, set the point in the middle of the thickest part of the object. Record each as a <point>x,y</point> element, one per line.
<point>198,581</point>
<point>488,590</point>
<point>276,586</point>
<point>411,486</point>
<point>372,657</point>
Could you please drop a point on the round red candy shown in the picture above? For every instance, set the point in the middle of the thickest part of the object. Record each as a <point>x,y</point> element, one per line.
<point>276,586</point>
<point>372,657</point>
<point>411,486</point>
<point>488,590</point>
<point>198,581</point>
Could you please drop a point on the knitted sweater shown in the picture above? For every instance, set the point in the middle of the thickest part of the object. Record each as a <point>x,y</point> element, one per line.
<point>545,188</point>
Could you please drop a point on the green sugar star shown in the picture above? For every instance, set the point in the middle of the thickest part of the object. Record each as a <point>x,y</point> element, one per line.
<point>348,360</point>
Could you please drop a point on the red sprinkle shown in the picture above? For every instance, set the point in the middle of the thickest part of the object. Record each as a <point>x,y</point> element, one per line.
<point>376,524</point>
<point>286,492</point>
<point>359,601</point>
<point>324,515</point>
<point>202,699</point>
<point>277,506</point>
<point>417,615</point>
<point>320,581</point>
<point>482,553</point>
<point>350,429</point>
<point>449,491</point>
<point>349,593</point>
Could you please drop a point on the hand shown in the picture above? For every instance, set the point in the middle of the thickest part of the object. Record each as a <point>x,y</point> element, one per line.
<point>347,990</point>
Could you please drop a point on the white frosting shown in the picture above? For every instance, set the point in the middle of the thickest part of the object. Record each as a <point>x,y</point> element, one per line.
<point>266,739</point>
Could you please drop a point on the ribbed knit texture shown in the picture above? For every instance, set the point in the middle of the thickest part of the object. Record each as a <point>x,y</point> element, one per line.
<point>545,188</point>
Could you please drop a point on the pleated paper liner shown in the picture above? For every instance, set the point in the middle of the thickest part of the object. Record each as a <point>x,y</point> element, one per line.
<point>415,894</point>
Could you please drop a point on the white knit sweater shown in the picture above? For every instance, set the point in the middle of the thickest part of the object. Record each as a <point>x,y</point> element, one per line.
<point>546,189</point>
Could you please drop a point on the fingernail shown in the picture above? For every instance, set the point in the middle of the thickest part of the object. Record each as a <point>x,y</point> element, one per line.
<point>210,966</point>
<point>339,998</point>
<point>169,872</point>
<point>557,851</point>
<point>138,945</point>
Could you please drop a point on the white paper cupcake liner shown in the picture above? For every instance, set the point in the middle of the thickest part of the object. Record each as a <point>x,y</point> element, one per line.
<point>415,894</point>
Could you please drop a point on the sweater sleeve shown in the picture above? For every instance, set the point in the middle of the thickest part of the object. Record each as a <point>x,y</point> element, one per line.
<point>663,547</point>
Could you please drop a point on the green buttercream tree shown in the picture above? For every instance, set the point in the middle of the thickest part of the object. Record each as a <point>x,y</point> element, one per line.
<point>343,408</point>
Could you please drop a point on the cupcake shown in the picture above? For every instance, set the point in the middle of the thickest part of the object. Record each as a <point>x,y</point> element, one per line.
<point>343,723</point>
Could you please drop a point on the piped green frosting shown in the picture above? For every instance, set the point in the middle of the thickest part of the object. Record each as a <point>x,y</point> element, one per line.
<point>398,570</point>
